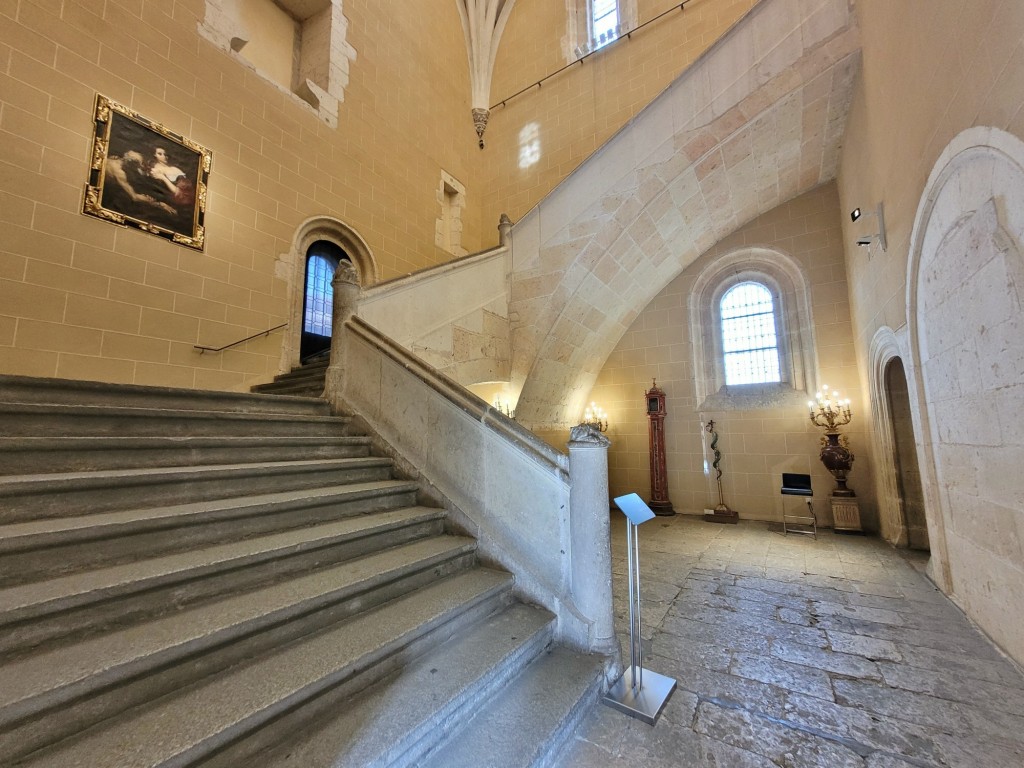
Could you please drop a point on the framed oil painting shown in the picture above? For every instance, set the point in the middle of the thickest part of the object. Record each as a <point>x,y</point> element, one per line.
<point>144,176</point>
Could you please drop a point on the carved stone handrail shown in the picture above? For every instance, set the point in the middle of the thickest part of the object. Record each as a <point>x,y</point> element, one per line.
<point>499,482</point>
<point>520,437</point>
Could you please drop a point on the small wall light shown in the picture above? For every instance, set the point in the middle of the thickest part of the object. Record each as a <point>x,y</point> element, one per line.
<point>879,236</point>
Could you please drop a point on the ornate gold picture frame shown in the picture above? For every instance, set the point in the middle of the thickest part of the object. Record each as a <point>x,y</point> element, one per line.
<point>145,176</point>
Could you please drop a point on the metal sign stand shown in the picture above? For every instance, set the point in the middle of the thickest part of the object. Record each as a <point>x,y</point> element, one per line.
<point>640,693</point>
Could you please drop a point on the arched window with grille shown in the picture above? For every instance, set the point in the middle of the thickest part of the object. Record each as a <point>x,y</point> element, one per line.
<point>750,343</point>
<point>322,259</point>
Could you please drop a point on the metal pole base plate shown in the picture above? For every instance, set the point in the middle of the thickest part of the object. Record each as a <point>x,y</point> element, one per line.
<point>647,704</point>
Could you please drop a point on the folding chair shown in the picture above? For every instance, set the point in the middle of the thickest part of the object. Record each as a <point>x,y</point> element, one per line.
<point>798,485</point>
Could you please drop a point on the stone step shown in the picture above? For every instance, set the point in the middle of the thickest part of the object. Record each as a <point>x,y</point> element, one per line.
<point>60,420</point>
<point>28,497</point>
<point>41,612</point>
<point>302,381</point>
<point>27,390</point>
<point>103,676</point>
<point>413,711</point>
<point>33,455</point>
<point>50,547</point>
<point>311,371</point>
<point>545,703</point>
<point>229,706</point>
<point>292,390</point>
<point>297,378</point>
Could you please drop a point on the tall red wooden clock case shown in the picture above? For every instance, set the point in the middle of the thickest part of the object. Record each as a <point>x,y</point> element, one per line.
<point>659,502</point>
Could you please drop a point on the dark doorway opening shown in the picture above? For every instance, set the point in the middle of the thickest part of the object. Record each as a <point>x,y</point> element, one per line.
<point>322,260</point>
<point>908,474</point>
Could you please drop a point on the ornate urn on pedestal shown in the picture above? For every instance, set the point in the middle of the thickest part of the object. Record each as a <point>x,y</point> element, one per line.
<point>830,412</point>
<point>838,460</point>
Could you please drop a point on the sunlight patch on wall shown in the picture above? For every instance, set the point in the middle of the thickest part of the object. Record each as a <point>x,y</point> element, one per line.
<point>529,145</point>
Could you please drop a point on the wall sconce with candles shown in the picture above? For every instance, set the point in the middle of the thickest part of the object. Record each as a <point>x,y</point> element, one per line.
<point>596,417</point>
<point>831,412</point>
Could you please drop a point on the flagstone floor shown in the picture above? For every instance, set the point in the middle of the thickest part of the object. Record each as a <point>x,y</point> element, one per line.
<point>792,652</point>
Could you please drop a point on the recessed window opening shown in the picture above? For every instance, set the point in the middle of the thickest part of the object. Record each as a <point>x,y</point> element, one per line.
<point>749,340</point>
<point>299,45</point>
<point>448,227</point>
<point>604,19</point>
<point>448,213</point>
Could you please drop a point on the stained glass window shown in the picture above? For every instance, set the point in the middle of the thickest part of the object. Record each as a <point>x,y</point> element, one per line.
<point>319,296</point>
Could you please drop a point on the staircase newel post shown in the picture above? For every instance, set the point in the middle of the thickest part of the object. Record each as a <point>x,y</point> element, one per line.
<point>590,535</point>
<point>504,230</point>
<point>345,285</point>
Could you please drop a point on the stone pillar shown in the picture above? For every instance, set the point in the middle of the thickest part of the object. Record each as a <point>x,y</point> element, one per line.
<point>346,299</point>
<point>505,230</point>
<point>589,525</point>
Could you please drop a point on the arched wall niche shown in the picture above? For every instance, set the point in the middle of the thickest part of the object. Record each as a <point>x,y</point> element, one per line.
<point>789,284</point>
<point>965,303</point>
<point>313,230</point>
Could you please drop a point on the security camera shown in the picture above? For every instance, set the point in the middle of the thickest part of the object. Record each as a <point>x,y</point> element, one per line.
<point>865,241</point>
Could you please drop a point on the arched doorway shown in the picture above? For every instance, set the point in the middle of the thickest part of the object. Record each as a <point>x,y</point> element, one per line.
<point>339,241</point>
<point>908,474</point>
<point>322,259</point>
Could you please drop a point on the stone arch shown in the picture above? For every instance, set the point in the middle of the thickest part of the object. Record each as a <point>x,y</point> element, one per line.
<point>789,283</point>
<point>683,175</point>
<point>886,347</point>
<point>965,304</point>
<point>310,231</point>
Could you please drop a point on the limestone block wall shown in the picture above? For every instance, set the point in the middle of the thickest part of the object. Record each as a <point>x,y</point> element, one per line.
<point>757,443</point>
<point>81,298</point>
<point>961,67</point>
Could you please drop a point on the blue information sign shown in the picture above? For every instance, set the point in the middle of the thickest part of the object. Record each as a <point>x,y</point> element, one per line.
<point>634,508</point>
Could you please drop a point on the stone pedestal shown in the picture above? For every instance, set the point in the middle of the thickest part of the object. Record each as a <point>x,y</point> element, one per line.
<point>845,513</point>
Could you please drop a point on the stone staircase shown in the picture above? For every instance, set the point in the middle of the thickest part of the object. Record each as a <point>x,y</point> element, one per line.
<point>216,579</point>
<point>306,380</point>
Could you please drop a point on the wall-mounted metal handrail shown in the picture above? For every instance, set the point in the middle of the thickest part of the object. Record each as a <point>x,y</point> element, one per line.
<point>628,35</point>
<point>267,332</point>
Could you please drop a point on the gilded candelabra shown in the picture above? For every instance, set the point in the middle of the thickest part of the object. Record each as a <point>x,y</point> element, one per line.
<point>830,412</point>
<point>596,417</point>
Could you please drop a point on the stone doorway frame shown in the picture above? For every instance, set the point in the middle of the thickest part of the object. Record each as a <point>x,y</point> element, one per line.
<point>310,231</point>
<point>888,346</point>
